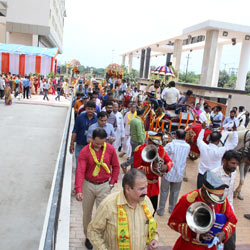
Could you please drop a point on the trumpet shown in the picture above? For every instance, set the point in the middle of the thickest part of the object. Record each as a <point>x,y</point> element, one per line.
<point>150,154</point>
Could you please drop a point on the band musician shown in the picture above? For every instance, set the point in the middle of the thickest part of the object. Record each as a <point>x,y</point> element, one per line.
<point>142,160</point>
<point>212,194</point>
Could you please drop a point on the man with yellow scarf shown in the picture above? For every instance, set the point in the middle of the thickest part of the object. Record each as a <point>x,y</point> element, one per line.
<point>97,172</point>
<point>124,219</point>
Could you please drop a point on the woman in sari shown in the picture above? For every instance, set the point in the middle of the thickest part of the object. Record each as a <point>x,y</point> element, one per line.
<point>7,93</point>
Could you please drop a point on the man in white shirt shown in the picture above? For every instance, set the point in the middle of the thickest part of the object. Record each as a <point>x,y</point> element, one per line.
<point>211,154</point>
<point>170,95</point>
<point>227,173</point>
<point>178,151</point>
<point>241,116</point>
<point>230,120</point>
<point>205,116</point>
<point>120,130</point>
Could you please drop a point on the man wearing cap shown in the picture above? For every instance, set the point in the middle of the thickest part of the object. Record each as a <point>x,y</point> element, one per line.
<point>153,183</point>
<point>212,194</point>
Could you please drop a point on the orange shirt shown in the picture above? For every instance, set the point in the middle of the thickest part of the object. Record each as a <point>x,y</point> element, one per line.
<point>78,104</point>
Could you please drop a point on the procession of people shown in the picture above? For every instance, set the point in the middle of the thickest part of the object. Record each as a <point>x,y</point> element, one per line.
<point>151,170</point>
<point>111,134</point>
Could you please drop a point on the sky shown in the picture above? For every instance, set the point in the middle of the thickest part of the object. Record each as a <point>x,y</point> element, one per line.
<point>96,32</point>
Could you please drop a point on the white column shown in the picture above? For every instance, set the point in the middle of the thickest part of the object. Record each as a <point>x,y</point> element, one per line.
<point>209,57</point>
<point>130,61</point>
<point>217,66</point>
<point>123,60</point>
<point>7,38</point>
<point>177,56</point>
<point>35,40</point>
<point>243,65</point>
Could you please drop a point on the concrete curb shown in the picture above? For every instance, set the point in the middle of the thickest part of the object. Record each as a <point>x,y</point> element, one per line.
<point>63,231</point>
<point>46,218</point>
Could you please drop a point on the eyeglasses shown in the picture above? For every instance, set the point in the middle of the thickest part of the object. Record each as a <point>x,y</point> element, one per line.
<point>103,120</point>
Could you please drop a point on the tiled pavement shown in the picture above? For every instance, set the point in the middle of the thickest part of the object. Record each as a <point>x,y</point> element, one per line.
<point>168,236</point>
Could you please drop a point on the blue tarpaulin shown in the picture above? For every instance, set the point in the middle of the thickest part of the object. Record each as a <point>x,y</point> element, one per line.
<point>27,50</point>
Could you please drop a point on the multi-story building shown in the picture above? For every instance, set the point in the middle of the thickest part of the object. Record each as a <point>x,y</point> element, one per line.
<point>33,22</point>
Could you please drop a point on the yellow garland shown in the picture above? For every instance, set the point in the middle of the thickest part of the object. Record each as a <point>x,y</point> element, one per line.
<point>129,116</point>
<point>99,163</point>
<point>123,234</point>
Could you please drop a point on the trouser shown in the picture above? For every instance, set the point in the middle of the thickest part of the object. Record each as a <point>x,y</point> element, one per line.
<point>154,201</point>
<point>175,188</point>
<point>26,92</point>
<point>1,93</point>
<point>92,193</point>
<point>216,125</point>
<point>78,148</point>
<point>171,106</point>
<point>131,159</point>
<point>17,92</point>
<point>200,180</point>
<point>180,109</point>
<point>45,94</point>
<point>58,91</point>
<point>230,243</point>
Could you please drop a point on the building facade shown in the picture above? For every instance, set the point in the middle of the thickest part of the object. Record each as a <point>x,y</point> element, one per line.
<point>33,22</point>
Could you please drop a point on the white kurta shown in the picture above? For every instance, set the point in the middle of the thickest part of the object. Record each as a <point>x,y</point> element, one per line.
<point>126,146</point>
<point>120,131</point>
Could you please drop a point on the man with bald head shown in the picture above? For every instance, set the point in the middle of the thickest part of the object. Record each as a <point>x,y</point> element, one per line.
<point>178,151</point>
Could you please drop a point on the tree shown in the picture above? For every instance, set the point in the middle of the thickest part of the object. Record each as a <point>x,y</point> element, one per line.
<point>190,77</point>
<point>223,78</point>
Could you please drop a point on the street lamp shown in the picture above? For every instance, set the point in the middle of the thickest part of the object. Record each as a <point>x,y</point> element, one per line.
<point>188,57</point>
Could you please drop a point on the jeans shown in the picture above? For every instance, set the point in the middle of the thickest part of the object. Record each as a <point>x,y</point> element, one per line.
<point>45,94</point>
<point>26,92</point>
<point>58,91</point>
<point>157,103</point>
<point>78,148</point>
<point>1,93</point>
<point>175,188</point>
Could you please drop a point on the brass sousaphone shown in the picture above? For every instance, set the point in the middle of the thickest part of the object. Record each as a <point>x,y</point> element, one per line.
<point>200,217</point>
<point>150,154</point>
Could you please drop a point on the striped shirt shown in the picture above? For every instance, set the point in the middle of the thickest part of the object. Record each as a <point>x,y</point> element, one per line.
<point>178,151</point>
<point>102,230</point>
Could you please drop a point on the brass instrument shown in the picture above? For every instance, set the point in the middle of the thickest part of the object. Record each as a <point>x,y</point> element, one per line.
<point>150,154</point>
<point>200,217</point>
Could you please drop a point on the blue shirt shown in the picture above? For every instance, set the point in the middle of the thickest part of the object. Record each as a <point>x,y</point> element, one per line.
<point>81,127</point>
<point>26,82</point>
<point>218,117</point>
<point>108,128</point>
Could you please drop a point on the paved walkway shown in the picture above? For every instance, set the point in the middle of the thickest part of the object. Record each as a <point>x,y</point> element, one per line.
<point>30,137</point>
<point>168,236</point>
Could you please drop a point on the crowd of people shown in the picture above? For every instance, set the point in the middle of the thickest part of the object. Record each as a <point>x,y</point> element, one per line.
<point>112,123</point>
<point>28,85</point>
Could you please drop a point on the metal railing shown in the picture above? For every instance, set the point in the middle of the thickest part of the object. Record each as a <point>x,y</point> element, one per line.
<point>51,232</point>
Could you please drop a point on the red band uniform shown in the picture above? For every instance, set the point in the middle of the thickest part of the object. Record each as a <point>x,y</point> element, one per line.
<point>177,221</point>
<point>153,183</point>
